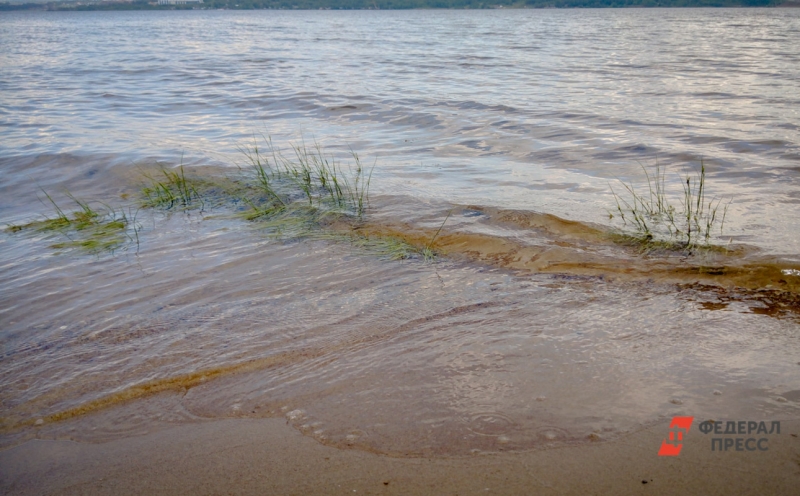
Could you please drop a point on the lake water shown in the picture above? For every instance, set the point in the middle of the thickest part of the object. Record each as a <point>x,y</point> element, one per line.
<point>511,127</point>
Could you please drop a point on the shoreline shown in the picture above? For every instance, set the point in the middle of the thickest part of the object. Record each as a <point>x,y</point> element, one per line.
<point>267,456</point>
<point>67,6</point>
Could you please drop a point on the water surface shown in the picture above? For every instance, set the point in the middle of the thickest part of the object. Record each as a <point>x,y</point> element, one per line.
<point>534,331</point>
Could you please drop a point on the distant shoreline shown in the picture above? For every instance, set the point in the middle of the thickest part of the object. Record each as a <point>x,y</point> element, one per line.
<point>105,5</point>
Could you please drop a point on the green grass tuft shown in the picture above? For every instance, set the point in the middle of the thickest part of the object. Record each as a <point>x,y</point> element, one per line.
<point>308,176</point>
<point>173,190</point>
<point>652,220</point>
<point>93,229</point>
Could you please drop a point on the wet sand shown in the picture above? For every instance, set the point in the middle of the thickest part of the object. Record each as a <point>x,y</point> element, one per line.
<point>267,456</point>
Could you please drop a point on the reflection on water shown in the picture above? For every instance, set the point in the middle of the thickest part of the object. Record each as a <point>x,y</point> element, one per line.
<point>534,110</point>
<point>536,328</point>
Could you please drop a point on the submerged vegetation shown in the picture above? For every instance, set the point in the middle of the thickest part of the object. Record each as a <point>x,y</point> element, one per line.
<point>656,221</point>
<point>93,229</point>
<point>173,190</point>
<point>307,195</point>
<point>310,177</point>
<point>312,195</point>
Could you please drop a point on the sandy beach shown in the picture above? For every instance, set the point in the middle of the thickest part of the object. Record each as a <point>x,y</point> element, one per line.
<point>267,456</point>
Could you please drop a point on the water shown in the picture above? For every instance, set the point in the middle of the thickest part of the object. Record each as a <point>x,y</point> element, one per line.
<point>534,331</point>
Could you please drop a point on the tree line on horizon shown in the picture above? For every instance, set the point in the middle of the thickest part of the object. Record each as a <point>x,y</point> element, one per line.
<point>388,4</point>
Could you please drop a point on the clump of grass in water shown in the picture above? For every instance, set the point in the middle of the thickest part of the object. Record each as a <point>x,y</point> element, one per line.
<point>309,177</point>
<point>299,196</point>
<point>173,190</point>
<point>302,194</point>
<point>91,229</point>
<point>658,224</point>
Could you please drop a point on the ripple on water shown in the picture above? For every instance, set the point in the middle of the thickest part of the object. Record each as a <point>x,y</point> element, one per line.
<point>210,318</point>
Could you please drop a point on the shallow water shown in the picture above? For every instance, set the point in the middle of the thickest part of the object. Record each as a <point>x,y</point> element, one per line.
<point>534,330</point>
